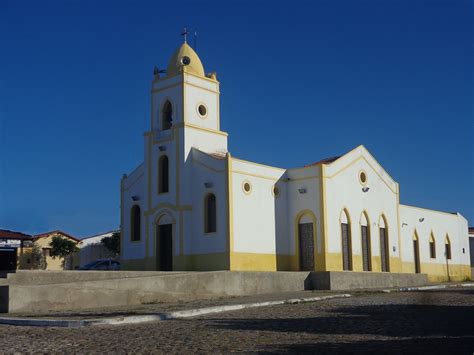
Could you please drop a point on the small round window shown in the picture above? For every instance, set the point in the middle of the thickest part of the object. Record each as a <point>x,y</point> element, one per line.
<point>247,187</point>
<point>202,110</point>
<point>363,177</point>
<point>276,191</point>
<point>185,60</point>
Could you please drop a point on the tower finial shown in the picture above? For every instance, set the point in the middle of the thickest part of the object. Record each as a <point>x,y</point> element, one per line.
<point>185,34</point>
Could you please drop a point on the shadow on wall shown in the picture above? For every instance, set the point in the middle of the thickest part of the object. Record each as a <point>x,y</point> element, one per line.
<point>393,327</point>
<point>282,235</point>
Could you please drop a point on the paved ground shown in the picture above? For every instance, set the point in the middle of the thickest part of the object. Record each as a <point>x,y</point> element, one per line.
<point>414,322</point>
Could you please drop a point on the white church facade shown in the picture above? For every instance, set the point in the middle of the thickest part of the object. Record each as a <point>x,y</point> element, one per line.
<point>191,205</point>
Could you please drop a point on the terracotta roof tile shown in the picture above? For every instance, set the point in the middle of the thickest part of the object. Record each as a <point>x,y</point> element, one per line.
<point>5,233</point>
<point>47,234</point>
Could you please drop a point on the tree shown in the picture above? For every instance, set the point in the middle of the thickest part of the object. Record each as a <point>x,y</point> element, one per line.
<point>63,248</point>
<point>32,259</point>
<point>112,243</point>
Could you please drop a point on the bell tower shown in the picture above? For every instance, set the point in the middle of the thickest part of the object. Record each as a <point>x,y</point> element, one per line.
<point>184,115</point>
<point>186,99</point>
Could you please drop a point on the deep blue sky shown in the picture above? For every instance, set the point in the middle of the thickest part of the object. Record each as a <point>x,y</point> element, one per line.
<point>299,82</point>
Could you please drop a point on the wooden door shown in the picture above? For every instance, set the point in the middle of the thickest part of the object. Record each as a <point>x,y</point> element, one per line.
<point>346,247</point>
<point>416,251</point>
<point>365,248</point>
<point>384,250</point>
<point>306,241</point>
<point>165,247</point>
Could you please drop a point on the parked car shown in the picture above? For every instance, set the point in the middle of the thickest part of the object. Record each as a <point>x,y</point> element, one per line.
<point>102,264</point>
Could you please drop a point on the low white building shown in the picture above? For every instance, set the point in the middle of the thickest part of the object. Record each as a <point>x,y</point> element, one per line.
<point>191,205</point>
<point>91,249</point>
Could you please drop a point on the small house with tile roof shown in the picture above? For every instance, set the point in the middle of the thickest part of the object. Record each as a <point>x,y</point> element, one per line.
<point>43,240</point>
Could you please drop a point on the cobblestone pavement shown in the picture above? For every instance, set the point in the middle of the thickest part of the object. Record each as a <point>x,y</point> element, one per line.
<point>414,322</point>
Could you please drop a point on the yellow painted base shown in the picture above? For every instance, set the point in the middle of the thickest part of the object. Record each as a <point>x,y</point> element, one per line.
<point>253,262</point>
<point>197,262</point>
<point>272,262</point>
<point>145,264</point>
<point>439,272</point>
<point>201,262</point>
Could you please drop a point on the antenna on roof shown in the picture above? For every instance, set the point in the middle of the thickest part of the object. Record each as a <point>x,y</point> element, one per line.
<point>185,34</point>
<point>195,40</point>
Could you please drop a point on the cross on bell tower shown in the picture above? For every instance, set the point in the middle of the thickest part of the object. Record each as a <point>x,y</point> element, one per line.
<point>185,34</point>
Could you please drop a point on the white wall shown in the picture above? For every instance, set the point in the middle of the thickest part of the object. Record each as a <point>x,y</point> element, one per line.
<point>134,185</point>
<point>307,178</point>
<point>206,169</point>
<point>255,222</point>
<point>344,190</point>
<point>425,222</point>
<point>206,93</point>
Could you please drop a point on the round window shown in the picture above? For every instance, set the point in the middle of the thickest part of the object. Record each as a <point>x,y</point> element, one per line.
<point>247,187</point>
<point>363,177</point>
<point>185,60</point>
<point>202,110</point>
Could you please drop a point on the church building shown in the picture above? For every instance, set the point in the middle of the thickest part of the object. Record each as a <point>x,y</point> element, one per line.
<point>191,205</point>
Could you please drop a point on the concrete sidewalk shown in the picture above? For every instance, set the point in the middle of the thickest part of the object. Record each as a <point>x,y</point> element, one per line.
<point>176,310</point>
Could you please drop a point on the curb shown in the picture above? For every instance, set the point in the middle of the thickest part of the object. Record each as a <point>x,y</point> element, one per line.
<point>71,323</point>
<point>425,288</point>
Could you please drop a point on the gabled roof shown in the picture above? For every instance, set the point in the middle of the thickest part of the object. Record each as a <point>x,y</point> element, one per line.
<point>47,234</point>
<point>5,233</point>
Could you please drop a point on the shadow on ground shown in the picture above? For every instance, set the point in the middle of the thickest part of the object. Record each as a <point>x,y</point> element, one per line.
<point>388,328</point>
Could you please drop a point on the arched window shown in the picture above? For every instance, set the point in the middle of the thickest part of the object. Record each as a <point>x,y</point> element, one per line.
<point>447,247</point>
<point>365,239</point>
<point>384,255</point>
<point>163,175</point>
<point>166,116</point>
<point>135,224</point>
<point>210,214</point>
<point>432,247</point>
<point>346,241</point>
<point>416,253</point>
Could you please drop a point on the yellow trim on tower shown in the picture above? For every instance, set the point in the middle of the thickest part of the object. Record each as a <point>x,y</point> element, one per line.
<point>203,78</point>
<point>209,130</point>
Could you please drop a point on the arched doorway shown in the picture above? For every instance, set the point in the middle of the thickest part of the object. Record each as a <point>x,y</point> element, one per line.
<point>346,241</point>
<point>164,243</point>
<point>365,240</point>
<point>384,255</point>
<point>306,237</point>
<point>416,253</point>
